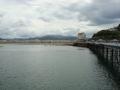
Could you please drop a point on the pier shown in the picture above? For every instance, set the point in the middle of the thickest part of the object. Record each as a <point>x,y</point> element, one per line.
<point>108,52</point>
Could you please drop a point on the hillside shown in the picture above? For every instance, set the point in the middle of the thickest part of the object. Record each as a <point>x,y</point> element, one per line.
<point>46,37</point>
<point>55,37</point>
<point>108,34</point>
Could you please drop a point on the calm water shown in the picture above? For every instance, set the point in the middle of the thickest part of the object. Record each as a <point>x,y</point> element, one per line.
<point>38,67</point>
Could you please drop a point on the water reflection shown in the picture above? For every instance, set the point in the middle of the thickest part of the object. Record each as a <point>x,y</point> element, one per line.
<point>110,72</point>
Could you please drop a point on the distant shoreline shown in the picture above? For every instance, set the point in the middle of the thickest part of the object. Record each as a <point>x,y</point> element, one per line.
<point>38,42</point>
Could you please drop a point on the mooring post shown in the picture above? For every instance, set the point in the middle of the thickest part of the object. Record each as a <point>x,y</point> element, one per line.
<point>111,58</point>
<point>103,51</point>
<point>119,62</point>
<point>107,55</point>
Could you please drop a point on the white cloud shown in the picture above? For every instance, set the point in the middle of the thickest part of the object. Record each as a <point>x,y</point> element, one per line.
<point>23,18</point>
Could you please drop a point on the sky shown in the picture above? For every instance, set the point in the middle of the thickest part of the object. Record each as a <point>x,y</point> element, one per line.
<point>31,18</point>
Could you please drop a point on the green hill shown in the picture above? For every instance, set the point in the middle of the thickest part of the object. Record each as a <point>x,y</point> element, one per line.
<point>108,34</point>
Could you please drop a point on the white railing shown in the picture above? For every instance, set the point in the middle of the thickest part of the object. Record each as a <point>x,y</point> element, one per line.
<point>106,43</point>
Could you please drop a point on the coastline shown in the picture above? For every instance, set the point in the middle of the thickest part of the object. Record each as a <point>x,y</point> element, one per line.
<point>38,42</point>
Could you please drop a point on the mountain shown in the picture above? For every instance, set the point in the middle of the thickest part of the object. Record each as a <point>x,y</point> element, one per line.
<point>55,37</point>
<point>1,39</point>
<point>108,34</point>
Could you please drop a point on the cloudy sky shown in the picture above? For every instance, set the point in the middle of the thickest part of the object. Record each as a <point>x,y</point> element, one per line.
<point>25,18</point>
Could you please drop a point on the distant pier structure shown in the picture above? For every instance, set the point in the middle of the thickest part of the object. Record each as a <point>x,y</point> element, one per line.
<point>81,37</point>
<point>81,40</point>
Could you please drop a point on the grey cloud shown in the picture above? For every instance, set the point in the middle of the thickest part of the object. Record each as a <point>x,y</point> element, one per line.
<point>20,23</point>
<point>18,2</point>
<point>1,15</point>
<point>13,29</point>
<point>65,15</point>
<point>45,19</point>
<point>98,12</point>
<point>71,31</point>
<point>52,13</point>
<point>10,32</point>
